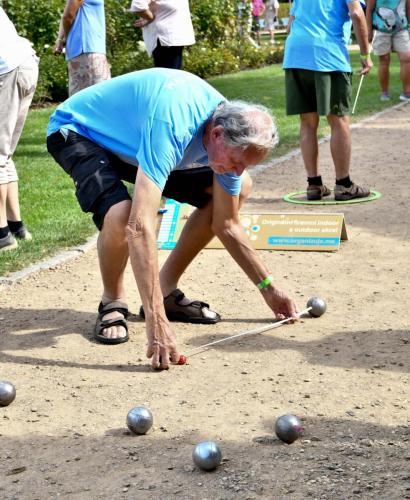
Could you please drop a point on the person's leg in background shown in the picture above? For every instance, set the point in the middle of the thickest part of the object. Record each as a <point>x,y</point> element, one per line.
<point>16,93</point>
<point>401,44</point>
<point>382,47</point>
<point>167,57</point>
<point>384,77</point>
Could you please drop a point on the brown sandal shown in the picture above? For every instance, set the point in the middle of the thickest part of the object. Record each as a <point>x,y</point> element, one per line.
<point>194,312</point>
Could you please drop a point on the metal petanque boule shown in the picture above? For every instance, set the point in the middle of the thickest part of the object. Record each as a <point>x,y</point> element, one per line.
<point>7,393</point>
<point>139,420</point>
<point>288,428</point>
<point>207,455</point>
<point>318,306</point>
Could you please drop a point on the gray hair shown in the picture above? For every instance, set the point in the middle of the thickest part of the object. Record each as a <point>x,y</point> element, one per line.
<point>246,124</point>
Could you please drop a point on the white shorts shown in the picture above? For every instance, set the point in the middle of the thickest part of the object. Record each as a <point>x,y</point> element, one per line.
<point>16,92</point>
<point>384,43</point>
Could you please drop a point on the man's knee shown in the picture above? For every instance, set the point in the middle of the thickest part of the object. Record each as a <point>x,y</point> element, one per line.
<point>404,57</point>
<point>116,218</point>
<point>309,121</point>
<point>384,60</point>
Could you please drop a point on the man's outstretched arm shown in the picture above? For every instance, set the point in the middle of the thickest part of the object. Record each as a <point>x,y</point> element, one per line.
<point>227,227</point>
<point>144,261</point>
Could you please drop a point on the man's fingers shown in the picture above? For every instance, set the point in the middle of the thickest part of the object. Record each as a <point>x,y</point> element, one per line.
<point>174,357</point>
<point>164,359</point>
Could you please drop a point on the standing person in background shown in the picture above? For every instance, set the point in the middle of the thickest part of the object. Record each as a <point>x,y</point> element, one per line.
<point>271,14</point>
<point>318,83</point>
<point>82,33</point>
<point>388,19</point>
<point>166,29</point>
<point>258,8</point>
<point>18,80</point>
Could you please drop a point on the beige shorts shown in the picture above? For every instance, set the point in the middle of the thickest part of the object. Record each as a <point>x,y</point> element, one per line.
<point>16,92</point>
<point>86,70</point>
<point>384,43</point>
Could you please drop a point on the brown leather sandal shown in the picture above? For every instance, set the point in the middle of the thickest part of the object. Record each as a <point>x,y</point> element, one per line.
<point>194,312</point>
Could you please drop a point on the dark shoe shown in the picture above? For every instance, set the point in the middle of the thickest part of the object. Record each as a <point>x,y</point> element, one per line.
<point>354,191</point>
<point>317,192</point>
<point>22,234</point>
<point>101,324</point>
<point>8,243</point>
<point>193,312</point>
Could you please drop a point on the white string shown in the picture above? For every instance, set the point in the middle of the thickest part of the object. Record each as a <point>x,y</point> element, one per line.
<point>255,331</point>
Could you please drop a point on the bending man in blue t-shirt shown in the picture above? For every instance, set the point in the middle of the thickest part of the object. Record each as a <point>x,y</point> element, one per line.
<point>171,134</point>
<point>318,83</point>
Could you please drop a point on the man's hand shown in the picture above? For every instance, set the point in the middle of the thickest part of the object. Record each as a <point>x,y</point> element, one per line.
<point>141,23</point>
<point>367,65</point>
<point>59,46</point>
<point>162,346</point>
<point>281,304</point>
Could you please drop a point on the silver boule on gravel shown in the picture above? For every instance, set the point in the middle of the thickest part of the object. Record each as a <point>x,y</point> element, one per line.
<point>139,420</point>
<point>7,393</point>
<point>288,428</point>
<point>318,306</point>
<point>207,455</point>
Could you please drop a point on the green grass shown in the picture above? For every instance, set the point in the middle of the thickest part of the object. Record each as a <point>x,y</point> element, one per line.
<point>47,199</point>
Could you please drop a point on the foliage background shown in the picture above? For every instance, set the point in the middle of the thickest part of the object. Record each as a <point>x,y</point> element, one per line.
<point>223,44</point>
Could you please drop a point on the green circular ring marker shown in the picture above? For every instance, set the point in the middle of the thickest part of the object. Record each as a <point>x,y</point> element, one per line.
<point>291,198</point>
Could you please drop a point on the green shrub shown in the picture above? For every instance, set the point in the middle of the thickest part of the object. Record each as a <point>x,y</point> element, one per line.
<point>222,44</point>
<point>52,80</point>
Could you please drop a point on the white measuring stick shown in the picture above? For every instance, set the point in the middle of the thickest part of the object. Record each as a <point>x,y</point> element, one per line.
<point>357,95</point>
<point>361,79</point>
<point>248,332</point>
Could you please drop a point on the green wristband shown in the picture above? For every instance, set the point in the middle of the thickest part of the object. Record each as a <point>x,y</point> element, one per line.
<point>365,57</point>
<point>266,282</point>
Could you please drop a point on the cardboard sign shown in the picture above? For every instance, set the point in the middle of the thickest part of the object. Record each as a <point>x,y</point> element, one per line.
<point>286,231</point>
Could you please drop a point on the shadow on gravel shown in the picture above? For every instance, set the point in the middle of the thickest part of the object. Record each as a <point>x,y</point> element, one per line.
<point>373,349</point>
<point>335,459</point>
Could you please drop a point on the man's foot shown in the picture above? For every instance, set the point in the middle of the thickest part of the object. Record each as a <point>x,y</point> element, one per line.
<point>343,193</point>
<point>8,243</point>
<point>317,192</point>
<point>405,97</point>
<point>180,308</point>
<point>384,97</point>
<point>111,326</point>
<point>22,233</point>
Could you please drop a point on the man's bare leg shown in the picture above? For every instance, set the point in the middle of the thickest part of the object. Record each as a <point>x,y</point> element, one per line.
<point>309,123</point>
<point>384,73</point>
<point>112,248</point>
<point>13,206</point>
<point>340,144</point>
<point>3,204</point>
<point>404,58</point>
<point>197,233</point>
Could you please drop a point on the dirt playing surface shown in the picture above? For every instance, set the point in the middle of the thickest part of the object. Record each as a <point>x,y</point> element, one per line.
<point>345,374</point>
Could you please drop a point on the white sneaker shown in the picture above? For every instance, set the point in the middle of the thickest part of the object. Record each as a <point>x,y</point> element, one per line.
<point>384,97</point>
<point>404,98</point>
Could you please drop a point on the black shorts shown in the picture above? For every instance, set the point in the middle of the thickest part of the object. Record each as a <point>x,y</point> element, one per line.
<point>98,176</point>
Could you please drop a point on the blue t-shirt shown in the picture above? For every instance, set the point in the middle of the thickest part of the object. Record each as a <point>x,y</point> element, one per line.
<point>389,16</point>
<point>87,33</point>
<point>319,36</point>
<point>153,118</point>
